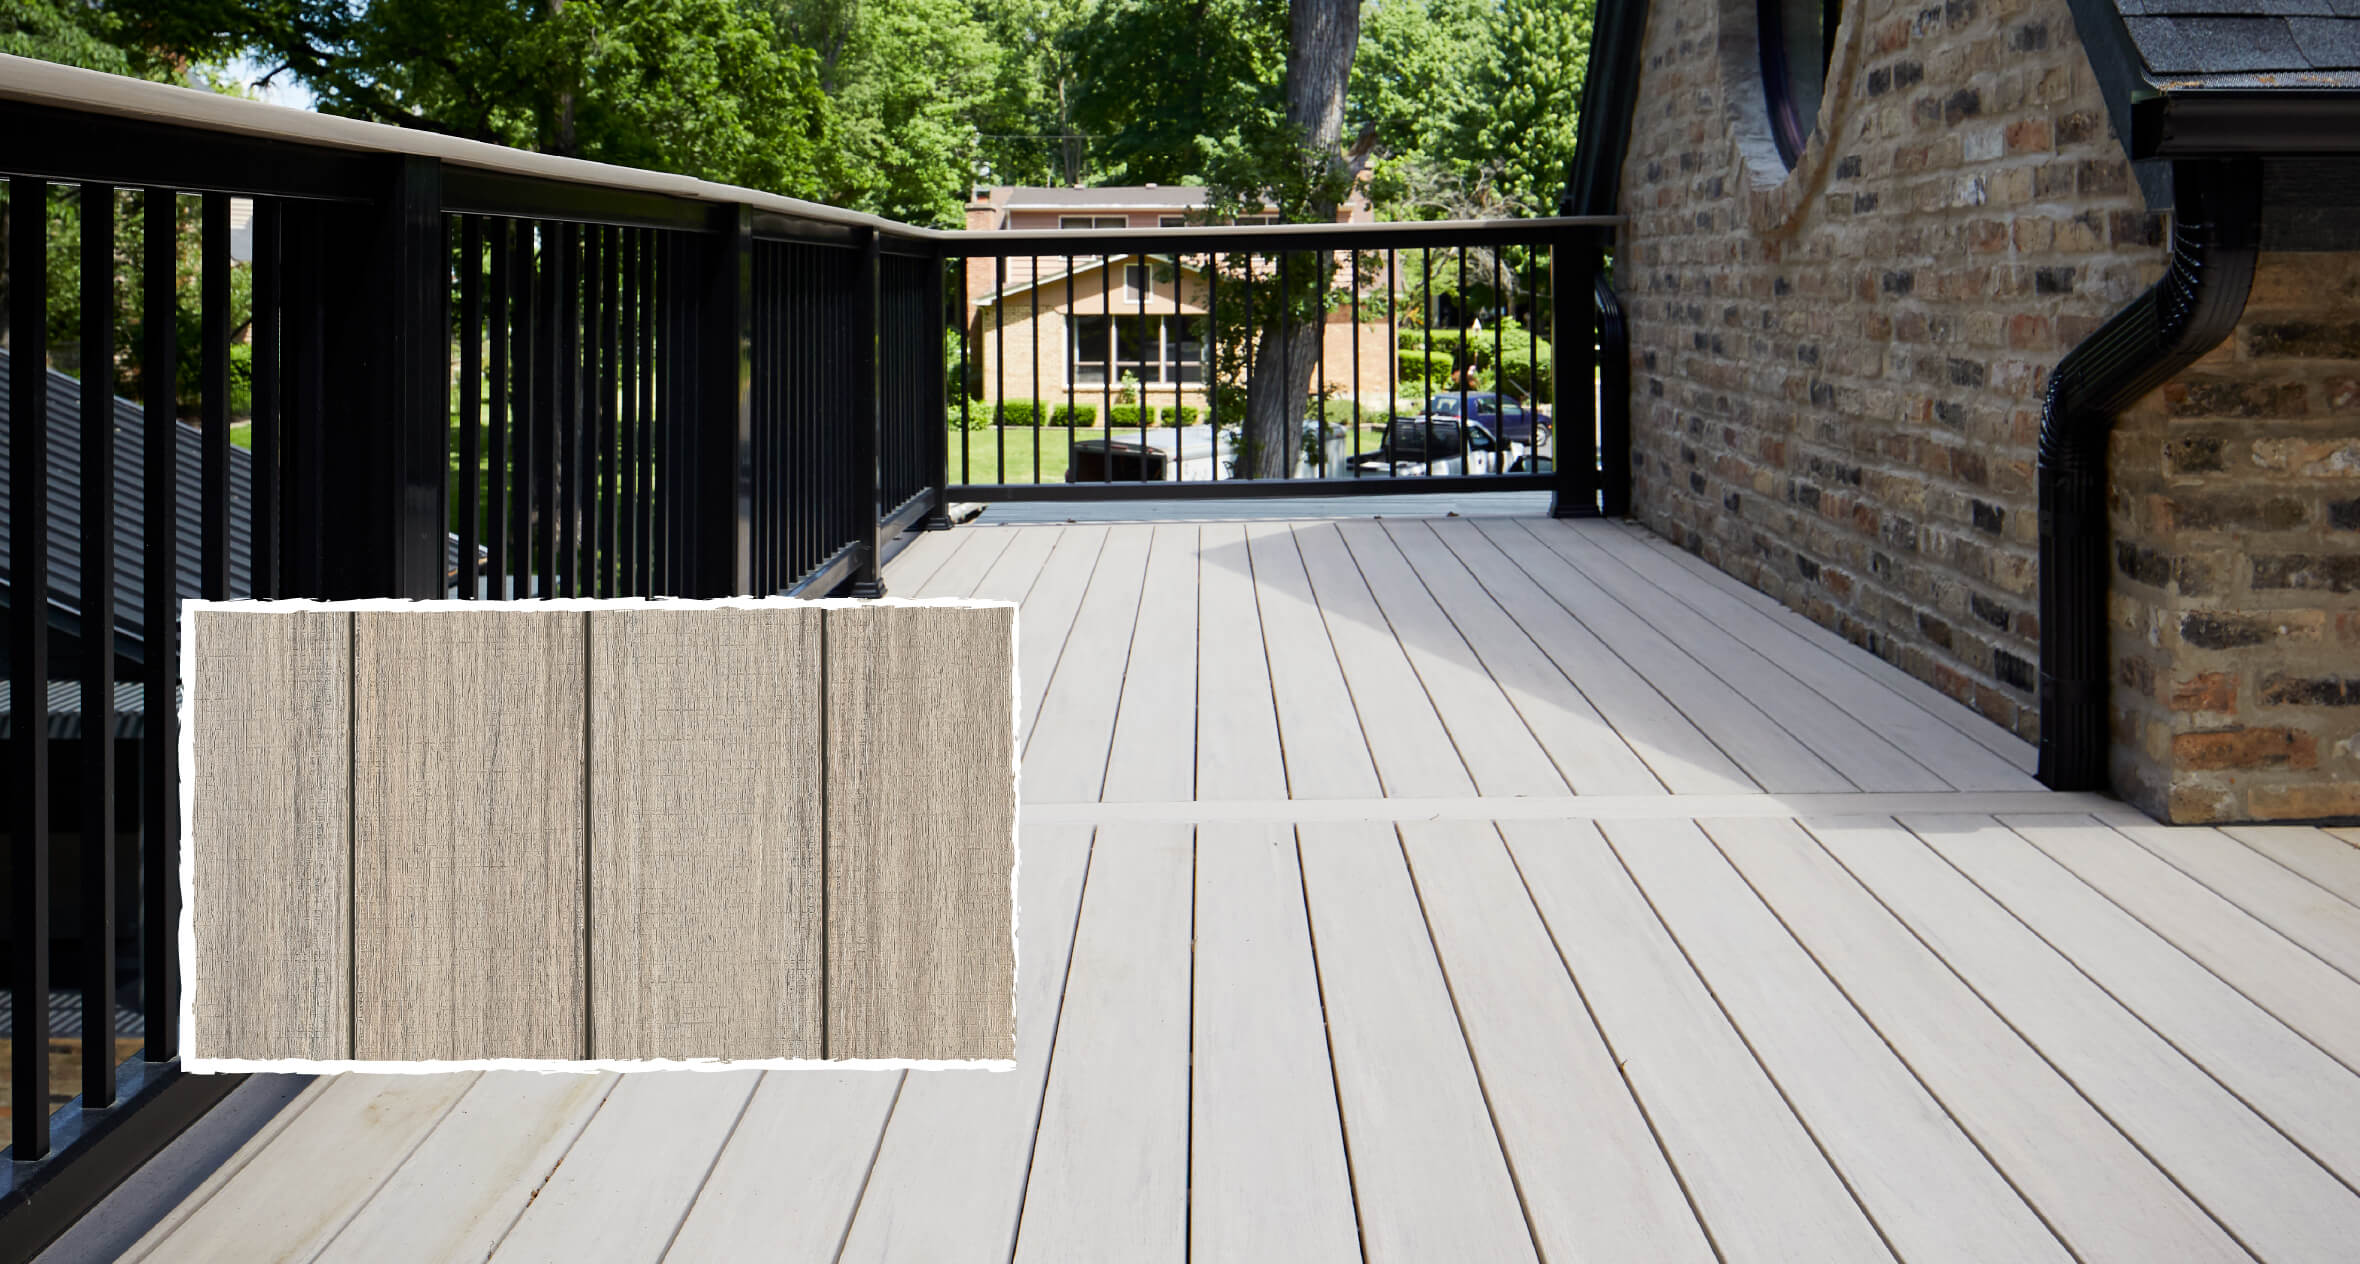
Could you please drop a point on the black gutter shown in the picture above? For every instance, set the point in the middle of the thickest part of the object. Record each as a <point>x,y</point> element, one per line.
<point>2216,238</point>
<point>2226,122</point>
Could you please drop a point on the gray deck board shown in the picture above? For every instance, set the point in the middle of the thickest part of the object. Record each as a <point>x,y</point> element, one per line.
<point>1716,1003</point>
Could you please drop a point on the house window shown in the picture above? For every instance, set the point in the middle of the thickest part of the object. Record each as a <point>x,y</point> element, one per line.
<point>1088,222</point>
<point>1135,278</point>
<point>1157,350</point>
<point>1173,221</point>
<point>1254,221</point>
<point>1798,40</point>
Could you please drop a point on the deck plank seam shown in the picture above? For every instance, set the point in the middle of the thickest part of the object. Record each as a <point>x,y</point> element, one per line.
<point>353,1212</point>
<point>1621,1068</point>
<point>1491,1112</point>
<point>1721,672</point>
<point>1583,694</point>
<point>1948,1112</point>
<point>1508,559</point>
<point>1736,699</point>
<point>2159,932</point>
<point>1032,1140</point>
<point>1834,1168</point>
<point>1327,1036</point>
<point>2246,905</point>
<point>2018,754</point>
<point>2175,1046</point>
<point>1912,931</point>
<point>1898,698</point>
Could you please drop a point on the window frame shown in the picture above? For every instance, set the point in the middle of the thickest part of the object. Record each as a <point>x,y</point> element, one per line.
<point>1790,125</point>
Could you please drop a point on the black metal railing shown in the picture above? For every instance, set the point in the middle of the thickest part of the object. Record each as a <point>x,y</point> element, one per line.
<point>1287,360</point>
<point>370,363</point>
<point>421,367</point>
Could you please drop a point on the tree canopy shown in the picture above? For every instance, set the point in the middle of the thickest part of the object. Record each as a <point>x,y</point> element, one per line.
<point>1455,107</point>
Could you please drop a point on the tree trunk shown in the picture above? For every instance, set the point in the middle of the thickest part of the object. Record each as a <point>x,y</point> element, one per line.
<point>1321,38</point>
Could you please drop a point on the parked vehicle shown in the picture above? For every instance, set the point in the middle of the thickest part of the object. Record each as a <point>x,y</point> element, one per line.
<point>1437,445</point>
<point>1506,415</point>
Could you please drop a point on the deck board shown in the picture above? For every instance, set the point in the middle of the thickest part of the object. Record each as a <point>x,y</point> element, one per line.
<point>1427,1168</point>
<point>1456,1011</point>
<point>1594,1182</point>
<point>1759,1181</point>
<point>1266,1146</point>
<point>1110,1168</point>
<point>1931,1193</point>
<point>2286,1079</point>
<point>2273,1197</point>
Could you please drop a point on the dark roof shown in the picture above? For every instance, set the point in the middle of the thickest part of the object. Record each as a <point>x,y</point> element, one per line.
<point>1168,195</point>
<point>2246,43</point>
<point>65,510</point>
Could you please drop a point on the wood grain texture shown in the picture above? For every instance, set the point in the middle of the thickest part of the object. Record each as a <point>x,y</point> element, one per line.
<point>1110,1168</point>
<point>705,833</point>
<point>2103,1197</point>
<point>458,1193</point>
<point>292,1197</point>
<point>270,834</point>
<point>921,814</point>
<point>785,1186</point>
<point>950,1171</point>
<point>467,834</point>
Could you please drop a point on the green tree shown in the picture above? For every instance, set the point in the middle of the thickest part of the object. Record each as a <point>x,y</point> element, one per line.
<point>699,87</point>
<point>907,81</point>
<point>1525,108</point>
<point>1182,91</point>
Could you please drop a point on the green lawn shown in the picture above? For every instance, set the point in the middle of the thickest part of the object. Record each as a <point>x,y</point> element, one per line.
<point>983,452</point>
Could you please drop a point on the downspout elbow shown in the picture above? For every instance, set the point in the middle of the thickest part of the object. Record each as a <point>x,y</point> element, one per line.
<point>2215,245</point>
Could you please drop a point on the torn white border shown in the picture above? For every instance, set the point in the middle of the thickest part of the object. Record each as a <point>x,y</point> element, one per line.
<point>189,842</point>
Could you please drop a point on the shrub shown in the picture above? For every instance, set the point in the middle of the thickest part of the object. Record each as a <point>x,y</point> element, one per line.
<point>1028,412</point>
<point>978,417</point>
<point>1414,366</point>
<point>1180,414</point>
<point>1130,416</point>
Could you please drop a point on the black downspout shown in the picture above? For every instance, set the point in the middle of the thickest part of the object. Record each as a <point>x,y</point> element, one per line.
<point>1614,404</point>
<point>2216,238</point>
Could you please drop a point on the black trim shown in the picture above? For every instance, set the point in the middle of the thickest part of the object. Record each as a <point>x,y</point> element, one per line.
<point>1614,403</point>
<point>2216,234</point>
<point>1259,488</point>
<point>1593,185</point>
<point>72,146</point>
<point>2227,122</point>
<point>93,1151</point>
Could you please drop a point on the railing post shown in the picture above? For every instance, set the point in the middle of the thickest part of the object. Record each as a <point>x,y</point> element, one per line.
<point>935,427</point>
<point>27,791</point>
<point>1573,263</point>
<point>385,396</point>
<point>723,511</point>
<point>868,579</point>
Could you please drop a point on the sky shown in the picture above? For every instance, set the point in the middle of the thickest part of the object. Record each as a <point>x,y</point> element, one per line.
<point>280,91</point>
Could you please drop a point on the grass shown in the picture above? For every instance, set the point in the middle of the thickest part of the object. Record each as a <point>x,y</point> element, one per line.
<point>983,451</point>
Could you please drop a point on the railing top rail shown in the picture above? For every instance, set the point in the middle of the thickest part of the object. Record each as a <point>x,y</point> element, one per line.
<point>43,83</point>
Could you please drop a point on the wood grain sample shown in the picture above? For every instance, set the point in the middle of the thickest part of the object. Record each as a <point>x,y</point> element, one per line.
<point>269,838</point>
<point>468,834</point>
<point>705,833</point>
<point>920,821</point>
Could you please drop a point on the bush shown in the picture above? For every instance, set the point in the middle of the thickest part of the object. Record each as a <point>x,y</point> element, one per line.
<point>978,417</point>
<point>1180,414</point>
<point>1130,416</point>
<point>1028,412</point>
<point>1414,367</point>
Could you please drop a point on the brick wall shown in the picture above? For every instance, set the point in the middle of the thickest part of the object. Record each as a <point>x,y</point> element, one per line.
<point>2236,602</point>
<point>1838,373</point>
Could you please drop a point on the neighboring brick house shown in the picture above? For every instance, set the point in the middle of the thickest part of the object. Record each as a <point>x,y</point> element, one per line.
<point>1859,244</point>
<point>1040,324</point>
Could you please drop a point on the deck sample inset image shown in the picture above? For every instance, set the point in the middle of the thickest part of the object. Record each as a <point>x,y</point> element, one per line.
<point>599,831</point>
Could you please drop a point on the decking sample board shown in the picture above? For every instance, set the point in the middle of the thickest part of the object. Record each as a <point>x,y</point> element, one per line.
<point>271,854</point>
<point>607,832</point>
<point>920,957</point>
<point>461,947</point>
